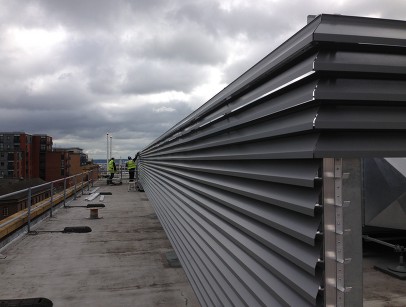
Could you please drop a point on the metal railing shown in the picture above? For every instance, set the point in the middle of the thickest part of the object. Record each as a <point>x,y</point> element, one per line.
<point>60,190</point>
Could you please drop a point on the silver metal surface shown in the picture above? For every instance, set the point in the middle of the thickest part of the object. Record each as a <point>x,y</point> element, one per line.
<point>384,185</point>
<point>342,232</point>
<point>329,253</point>
<point>352,232</point>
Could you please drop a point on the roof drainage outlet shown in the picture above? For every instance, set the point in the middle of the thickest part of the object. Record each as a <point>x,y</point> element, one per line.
<point>172,259</point>
<point>27,302</point>
<point>77,229</point>
<point>74,229</point>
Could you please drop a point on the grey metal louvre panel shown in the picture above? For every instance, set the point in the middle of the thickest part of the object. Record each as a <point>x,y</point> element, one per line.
<point>324,28</point>
<point>357,30</point>
<point>298,199</point>
<point>235,130</point>
<point>251,114</point>
<point>292,147</point>
<point>294,172</point>
<point>297,44</point>
<point>361,143</point>
<point>269,86</point>
<point>297,225</point>
<point>261,243</point>
<point>274,262</point>
<point>196,258</point>
<point>361,89</point>
<point>236,184</point>
<point>340,117</point>
<point>209,254</point>
<point>362,60</point>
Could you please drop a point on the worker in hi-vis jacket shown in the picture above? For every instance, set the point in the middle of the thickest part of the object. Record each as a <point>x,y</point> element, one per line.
<point>131,167</point>
<point>111,168</point>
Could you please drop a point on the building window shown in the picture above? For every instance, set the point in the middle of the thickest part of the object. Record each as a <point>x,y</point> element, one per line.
<point>16,139</point>
<point>5,212</point>
<point>62,172</point>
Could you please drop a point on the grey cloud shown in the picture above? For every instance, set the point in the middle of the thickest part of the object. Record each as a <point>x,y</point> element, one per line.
<point>85,51</point>
<point>83,15</point>
<point>104,80</point>
<point>253,21</point>
<point>185,46</point>
<point>156,77</point>
<point>146,117</point>
<point>132,128</point>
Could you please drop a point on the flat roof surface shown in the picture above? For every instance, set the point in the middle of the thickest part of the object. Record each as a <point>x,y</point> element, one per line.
<point>381,289</point>
<point>121,262</point>
<point>124,260</point>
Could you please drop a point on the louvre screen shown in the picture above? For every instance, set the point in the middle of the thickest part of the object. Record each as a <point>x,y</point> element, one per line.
<point>237,184</point>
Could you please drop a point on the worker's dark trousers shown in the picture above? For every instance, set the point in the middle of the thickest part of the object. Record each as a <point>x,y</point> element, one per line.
<point>110,180</point>
<point>131,172</point>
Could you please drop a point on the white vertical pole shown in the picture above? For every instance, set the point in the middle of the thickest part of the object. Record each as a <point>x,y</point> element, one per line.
<point>107,160</point>
<point>111,146</point>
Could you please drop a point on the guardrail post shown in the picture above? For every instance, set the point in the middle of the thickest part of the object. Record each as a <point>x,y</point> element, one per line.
<point>81,181</point>
<point>52,198</point>
<point>29,210</point>
<point>88,180</point>
<point>74,180</point>
<point>64,192</point>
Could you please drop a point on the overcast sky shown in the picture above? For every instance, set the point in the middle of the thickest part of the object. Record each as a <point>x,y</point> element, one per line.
<point>79,69</point>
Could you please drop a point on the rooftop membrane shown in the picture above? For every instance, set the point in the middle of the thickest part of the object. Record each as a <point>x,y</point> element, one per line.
<point>126,260</point>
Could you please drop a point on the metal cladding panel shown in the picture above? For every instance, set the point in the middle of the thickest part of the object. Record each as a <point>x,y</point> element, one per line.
<point>356,117</point>
<point>357,89</point>
<point>362,143</point>
<point>360,59</point>
<point>237,184</point>
<point>355,30</point>
<point>271,265</point>
<point>243,217</point>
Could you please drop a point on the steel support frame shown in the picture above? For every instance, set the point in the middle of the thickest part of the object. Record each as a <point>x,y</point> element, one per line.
<point>342,231</point>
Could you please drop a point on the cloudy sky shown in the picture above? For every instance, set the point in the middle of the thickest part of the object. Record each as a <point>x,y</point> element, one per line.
<point>79,69</point>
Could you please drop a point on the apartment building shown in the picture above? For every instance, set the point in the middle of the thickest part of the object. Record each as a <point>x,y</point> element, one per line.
<point>25,156</point>
<point>41,145</point>
<point>15,155</point>
<point>26,160</point>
